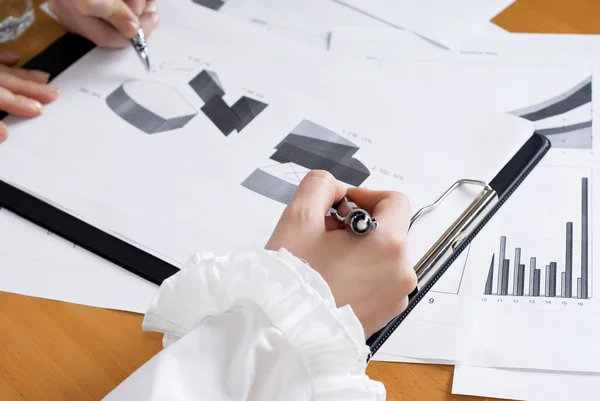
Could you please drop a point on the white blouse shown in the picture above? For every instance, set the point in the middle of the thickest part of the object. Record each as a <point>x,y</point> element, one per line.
<point>253,325</point>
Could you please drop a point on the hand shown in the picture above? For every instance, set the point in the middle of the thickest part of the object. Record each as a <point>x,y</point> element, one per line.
<point>107,23</point>
<point>372,273</point>
<point>22,92</point>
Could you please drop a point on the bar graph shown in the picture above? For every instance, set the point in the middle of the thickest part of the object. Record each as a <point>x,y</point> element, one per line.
<point>516,276</point>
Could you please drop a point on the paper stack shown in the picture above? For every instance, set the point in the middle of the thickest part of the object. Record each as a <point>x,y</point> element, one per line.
<point>517,314</point>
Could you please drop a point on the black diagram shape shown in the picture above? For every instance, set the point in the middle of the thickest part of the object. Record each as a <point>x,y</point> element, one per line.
<point>227,119</point>
<point>212,4</point>
<point>313,147</point>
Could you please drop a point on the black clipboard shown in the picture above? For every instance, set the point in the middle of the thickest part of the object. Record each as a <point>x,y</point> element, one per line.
<point>70,48</point>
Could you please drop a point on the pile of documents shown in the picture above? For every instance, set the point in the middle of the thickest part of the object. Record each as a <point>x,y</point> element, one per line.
<point>415,94</point>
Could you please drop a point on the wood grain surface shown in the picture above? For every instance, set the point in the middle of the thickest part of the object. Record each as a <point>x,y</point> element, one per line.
<point>58,351</point>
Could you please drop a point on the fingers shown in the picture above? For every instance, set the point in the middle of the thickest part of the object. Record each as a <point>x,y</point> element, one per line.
<point>43,93</point>
<point>150,7</point>
<point>3,132</point>
<point>19,105</point>
<point>137,6</point>
<point>8,58</point>
<point>313,198</point>
<point>116,12</point>
<point>104,35</point>
<point>332,223</point>
<point>390,208</point>
<point>149,21</point>
<point>41,77</point>
<point>107,23</point>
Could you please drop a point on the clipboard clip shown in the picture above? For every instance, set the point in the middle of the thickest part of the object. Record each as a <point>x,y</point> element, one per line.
<point>458,230</point>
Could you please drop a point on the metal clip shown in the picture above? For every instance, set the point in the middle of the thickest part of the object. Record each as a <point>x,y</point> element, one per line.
<point>456,232</point>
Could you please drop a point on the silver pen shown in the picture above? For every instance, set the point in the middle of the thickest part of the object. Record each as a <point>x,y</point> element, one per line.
<point>357,220</point>
<point>140,46</point>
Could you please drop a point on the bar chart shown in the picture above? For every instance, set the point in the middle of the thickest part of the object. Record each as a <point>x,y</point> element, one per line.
<point>564,274</point>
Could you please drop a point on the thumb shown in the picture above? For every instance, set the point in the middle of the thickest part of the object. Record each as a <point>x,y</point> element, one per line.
<point>115,12</point>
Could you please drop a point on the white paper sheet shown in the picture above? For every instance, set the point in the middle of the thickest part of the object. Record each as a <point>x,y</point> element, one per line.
<point>436,330</point>
<point>509,83</point>
<point>524,384</point>
<point>37,263</point>
<point>470,78</point>
<point>309,21</point>
<point>528,320</point>
<point>492,41</point>
<point>179,191</point>
<point>393,43</point>
<point>444,22</point>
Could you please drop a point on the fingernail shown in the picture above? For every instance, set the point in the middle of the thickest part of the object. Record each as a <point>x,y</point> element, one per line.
<point>129,28</point>
<point>35,106</point>
<point>151,7</point>
<point>53,90</point>
<point>41,75</point>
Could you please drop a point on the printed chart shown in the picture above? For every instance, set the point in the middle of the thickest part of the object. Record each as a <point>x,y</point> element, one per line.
<point>309,146</point>
<point>155,107</point>
<point>539,276</point>
<point>566,120</point>
<point>555,285</point>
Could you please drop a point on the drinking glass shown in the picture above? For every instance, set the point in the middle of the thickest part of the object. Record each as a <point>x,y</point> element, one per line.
<point>16,17</point>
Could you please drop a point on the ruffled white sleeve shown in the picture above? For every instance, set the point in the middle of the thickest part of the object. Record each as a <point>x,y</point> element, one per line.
<point>253,326</point>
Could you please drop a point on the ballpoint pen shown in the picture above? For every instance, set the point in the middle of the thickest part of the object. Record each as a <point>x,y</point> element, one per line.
<point>357,220</point>
<point>140,46</point>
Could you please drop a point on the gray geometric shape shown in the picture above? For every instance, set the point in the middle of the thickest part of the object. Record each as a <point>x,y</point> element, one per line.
<point>270,186</point>
<point>246,109</point>
<point>565,129</point>
<point>572,139</point>
<point>315,147</point>
<point>212,4</point>
<point>311,130</point>
<point>207,86</point>
<point>124,102</point>
<point>227,119</point>
<point>221,115</point>
<point>318,145</point>
<point>346,169</point>
<point>312,147</point>
<point>577,96</point>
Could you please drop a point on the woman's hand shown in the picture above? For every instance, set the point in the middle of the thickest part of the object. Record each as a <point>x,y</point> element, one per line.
<point>22,92</point>
<point>372,273</point>
<point>107,23</point>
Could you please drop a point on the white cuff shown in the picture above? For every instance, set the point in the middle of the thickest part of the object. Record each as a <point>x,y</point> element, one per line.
<point>298,302</point>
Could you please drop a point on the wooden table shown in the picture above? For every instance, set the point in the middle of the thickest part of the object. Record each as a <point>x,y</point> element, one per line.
<point>58,351</point>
